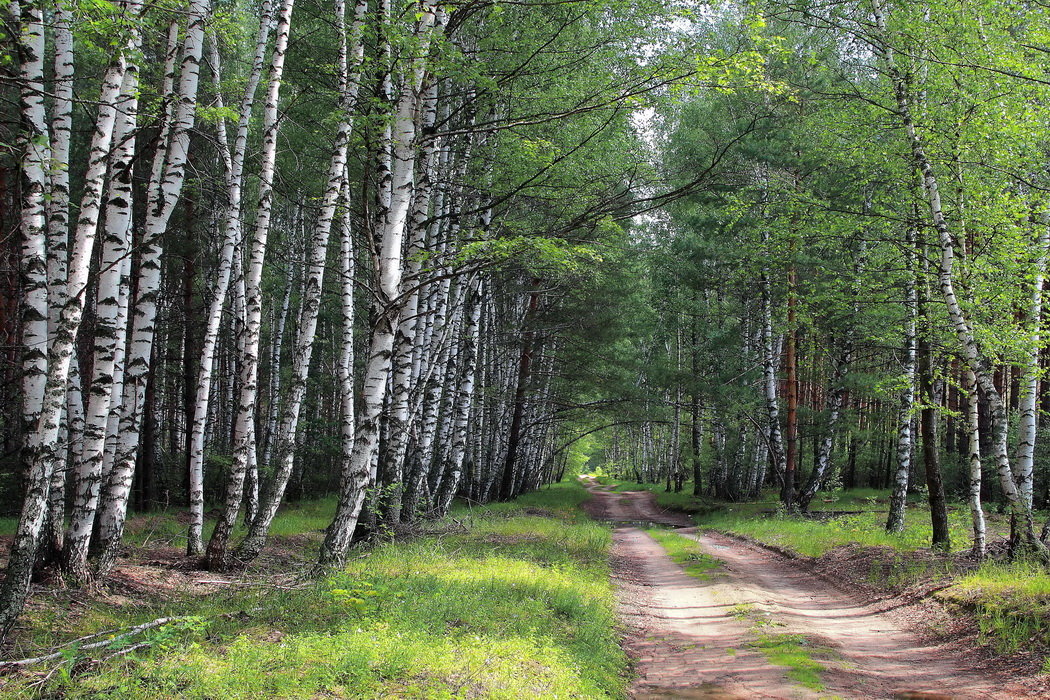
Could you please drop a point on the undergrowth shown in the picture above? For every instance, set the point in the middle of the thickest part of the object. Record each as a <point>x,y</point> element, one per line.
<point>518,605</point>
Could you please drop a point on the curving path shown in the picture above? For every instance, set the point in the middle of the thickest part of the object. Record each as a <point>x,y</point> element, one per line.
<point>690,638</point>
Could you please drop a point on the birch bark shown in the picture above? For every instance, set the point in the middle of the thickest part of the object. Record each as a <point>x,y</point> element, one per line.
<point>973,443</point>
<point>41,443</point>
<point>35,141</point>
<point>971,350</point>
<point>351,55</point>
<point>770,382</point>
<point>116,246</point>
<point>389,275</point>
<point>244,420</point>
<point>898,499</point>
<point>167,175</point>
<point>406,339</point>
<point>234,160</point>
<point>1029,416</point>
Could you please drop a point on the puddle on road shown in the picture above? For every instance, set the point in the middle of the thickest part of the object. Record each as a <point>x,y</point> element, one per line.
<point>706,691</point>
<point>632,523</point>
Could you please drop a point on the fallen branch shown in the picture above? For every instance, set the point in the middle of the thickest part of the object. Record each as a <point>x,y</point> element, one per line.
<point>87,647</point>
<point>263,584</point>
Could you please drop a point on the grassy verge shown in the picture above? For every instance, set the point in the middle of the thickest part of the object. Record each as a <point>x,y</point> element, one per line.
<point>813,537</point>
<point>685,552</point>
<point>1011,602</point>
<point>518,605</point>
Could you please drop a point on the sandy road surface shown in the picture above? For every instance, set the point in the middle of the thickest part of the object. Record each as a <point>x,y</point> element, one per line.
<point>691,638</point>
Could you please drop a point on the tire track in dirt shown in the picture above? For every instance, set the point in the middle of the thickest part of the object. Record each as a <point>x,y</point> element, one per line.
<point>688,640</point>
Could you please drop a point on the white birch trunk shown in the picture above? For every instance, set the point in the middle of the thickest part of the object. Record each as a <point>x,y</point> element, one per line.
<point>274,391</point>
<point>389,275</point>
<point>244,420</point>
<point>346,349</point>
<point>165,188</point>
<point>973,441</point>
<point>58,247</point>
<point>905,433</point>
<point>971,351</point>
<point>234,159</point>
<point>462,409</point>
<point>109,329</point>
<point>1029,415</point>
<point>406,340</point>
<point>307,328</point>
<point>770,382</point>
<point>41,443</point>
<point>35,142</point>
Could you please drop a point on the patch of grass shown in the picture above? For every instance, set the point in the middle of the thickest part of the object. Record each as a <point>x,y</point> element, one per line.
<point>520,605</point>
<point>794,652</point>
<point>813,537</point>
<point>1011,602</point>
<point>685,552</point>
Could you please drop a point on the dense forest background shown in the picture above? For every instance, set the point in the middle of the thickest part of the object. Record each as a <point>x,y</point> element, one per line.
<point>403,252</point>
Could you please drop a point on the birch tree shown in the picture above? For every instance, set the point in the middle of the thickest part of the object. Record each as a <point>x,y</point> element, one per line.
<point>41,442</point>
<point>233,158</point>
<point>167,176</point>
<point>244,420</point>
<point>388,276</point>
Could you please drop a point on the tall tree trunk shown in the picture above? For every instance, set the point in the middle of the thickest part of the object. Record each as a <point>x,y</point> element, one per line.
<point>402,363</point>
<point>359,469</point>
<point>973,431</point>
<point>905,438</point>
<point>58,258</point>
<point>244,419</point>
<point>307,328</point>
<point>528,332</point>
<point>39,452</point>
<point>971,350</point>
<point>1029,416</point>
<point>931,445</point>
<point>791,367</point>
<point>167,176</point>
<point>234,162</point>
<point>109,327</point>
<point>461,409</point>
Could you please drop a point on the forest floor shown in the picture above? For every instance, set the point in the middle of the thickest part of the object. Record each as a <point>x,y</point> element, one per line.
<point>508,600</point>
<point>757,623</point>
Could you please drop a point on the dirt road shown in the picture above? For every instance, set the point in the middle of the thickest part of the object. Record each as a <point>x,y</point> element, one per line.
<point>695,638</point>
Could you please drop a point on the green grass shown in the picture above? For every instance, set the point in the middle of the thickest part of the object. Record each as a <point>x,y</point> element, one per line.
<point>162,527</point>
<point>520,605</point>
<point>795,653</point>
<point>814,537</point>
<point>685,552</point>
<point>1011,602</point>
